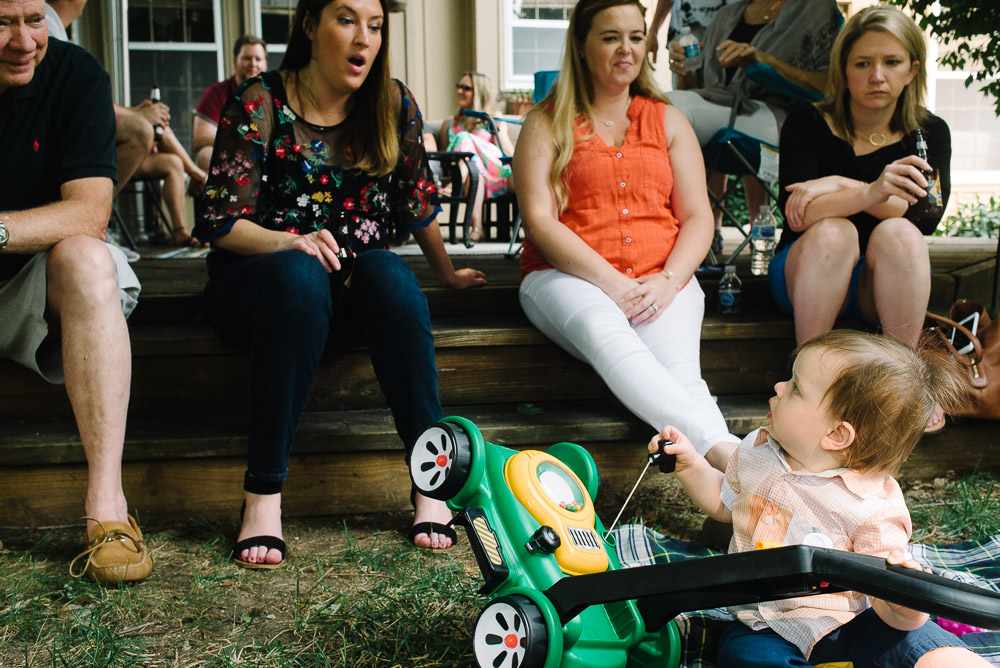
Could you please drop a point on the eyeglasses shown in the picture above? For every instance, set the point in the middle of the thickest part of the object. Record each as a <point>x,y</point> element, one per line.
<point>464,87</point>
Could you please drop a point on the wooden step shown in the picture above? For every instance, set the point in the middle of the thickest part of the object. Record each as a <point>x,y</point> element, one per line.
<point>351,462</point>
<point>185,370</point>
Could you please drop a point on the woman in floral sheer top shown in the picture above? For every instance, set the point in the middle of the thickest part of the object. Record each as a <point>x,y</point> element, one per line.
<point>315,168</point>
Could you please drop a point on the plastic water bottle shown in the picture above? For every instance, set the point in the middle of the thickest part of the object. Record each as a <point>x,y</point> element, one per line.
<point>692,49</point>
<point>762,241</point>
<point>730,292</point>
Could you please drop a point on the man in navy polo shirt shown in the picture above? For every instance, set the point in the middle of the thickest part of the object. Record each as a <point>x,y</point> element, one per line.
<point>64,293</point>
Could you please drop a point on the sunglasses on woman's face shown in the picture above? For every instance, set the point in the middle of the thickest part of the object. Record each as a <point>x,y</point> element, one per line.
<point>463,87</point>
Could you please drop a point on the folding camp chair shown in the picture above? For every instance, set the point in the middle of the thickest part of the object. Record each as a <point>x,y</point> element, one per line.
<point>731,151</point>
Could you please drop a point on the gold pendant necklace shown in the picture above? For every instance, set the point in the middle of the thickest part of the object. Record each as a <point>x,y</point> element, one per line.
<point>768,8</point>
<point>876,139</point>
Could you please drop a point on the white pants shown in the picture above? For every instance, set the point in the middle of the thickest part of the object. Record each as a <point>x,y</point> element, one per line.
<point>653,368</point>
<point>707,117</point>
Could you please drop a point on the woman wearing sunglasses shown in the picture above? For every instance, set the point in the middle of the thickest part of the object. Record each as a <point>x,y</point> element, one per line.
<point>464,133</point>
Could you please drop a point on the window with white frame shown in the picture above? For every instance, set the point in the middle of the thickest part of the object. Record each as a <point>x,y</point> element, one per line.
<point>534,34</point>
<point>175,45</point>
<point>971,117</point>
<point>275,26</point>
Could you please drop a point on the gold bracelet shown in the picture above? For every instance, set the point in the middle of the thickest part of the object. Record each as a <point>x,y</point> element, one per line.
<point>667,273</point>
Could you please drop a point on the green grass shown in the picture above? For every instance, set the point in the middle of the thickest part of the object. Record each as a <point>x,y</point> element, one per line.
<point>350,595</point>
<point>964,509</point>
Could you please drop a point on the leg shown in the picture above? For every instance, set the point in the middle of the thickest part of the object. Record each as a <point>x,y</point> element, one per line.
<point>477,210</point>
<point>83,302</point>
<point>868,641</point>
<point>133,142</point>
<point>580,318</point>
<point>755,195</point>
<point>952,657</point>
<point>170,144</point>
<point>818,274</point>
<point>279,306</point>
<point>168,167</point>
<point>739,646</point>
<point>203,158</point>
<point>391,310</point>
<point>895,284</point>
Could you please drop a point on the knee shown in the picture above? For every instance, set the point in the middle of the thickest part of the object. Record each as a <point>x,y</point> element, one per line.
<point>898,238</point>
<point>135,133</point>
<point>832,236</point>
<point>384,278</point>
<point>173,164</point>
<point>295,283</point>
<point>81,268</point>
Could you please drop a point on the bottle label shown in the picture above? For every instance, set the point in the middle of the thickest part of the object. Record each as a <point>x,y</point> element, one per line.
<point>692,50</point>
<point>728,297</point>
<point>934,192</point>
<point>763,231</point>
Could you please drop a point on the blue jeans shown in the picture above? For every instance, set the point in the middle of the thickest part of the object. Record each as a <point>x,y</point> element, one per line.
<point>865,641</point>
<point>284,308</point>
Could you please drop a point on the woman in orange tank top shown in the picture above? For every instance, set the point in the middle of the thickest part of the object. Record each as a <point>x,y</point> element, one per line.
<point>614,205</point>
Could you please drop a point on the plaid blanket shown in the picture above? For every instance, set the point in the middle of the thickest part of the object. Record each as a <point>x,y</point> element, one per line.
<point>976,563</point>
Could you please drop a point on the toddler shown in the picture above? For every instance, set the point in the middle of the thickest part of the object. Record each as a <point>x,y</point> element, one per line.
<point>821,473</point>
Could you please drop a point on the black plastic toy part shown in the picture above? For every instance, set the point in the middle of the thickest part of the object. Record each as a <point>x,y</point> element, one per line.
<point>545,539</point>
<point>666,462</point>
<point>485,547</point>
<point>665,590</point>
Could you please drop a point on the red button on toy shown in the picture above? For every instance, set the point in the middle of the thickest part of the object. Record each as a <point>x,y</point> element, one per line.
<point>510,640</point>
<point>442,460</point>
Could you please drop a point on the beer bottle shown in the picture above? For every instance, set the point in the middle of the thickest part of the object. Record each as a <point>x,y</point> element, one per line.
<point>930,207</point>
<point>154,97</point>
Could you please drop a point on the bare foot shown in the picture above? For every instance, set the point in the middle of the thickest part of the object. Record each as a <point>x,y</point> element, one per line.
<point>431,510</point>
<point>261,518</point>
<point>936,423</point>
<point>181,237</point>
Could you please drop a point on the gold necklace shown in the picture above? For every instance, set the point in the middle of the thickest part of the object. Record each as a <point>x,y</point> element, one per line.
<point>609,124</point>
<point>768,8</point>
<point>879,142</point>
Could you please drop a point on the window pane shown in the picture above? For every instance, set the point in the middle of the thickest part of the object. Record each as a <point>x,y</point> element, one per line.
<point>275,28</point>
<point>274,59</point>
<point>139,27</point>
<point>168,24</point>
<point>975,129</point>
<point>540,49</point>
<point>182,78</point>
<point>171,21</point>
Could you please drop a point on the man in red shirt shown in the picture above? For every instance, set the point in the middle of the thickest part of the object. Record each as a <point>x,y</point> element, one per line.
<point>249,60</point>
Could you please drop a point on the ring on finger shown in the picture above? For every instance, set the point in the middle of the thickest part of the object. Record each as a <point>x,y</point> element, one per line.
<point>654,307</point>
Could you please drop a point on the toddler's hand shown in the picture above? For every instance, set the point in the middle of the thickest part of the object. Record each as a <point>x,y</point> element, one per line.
<point>681,447</point>
<point>904,559</point>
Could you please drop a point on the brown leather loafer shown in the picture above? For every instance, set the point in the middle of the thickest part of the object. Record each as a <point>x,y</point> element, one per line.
<point>115,553</point>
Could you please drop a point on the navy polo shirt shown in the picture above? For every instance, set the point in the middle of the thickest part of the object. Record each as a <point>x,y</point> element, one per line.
<point>59,127</point>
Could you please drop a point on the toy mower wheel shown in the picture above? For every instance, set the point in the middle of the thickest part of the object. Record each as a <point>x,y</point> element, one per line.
<point>441,461</point>
<point>511,633</point>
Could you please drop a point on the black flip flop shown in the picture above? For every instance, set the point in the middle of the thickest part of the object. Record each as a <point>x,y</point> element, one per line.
<point>270,542</point>
<point>433,527</point>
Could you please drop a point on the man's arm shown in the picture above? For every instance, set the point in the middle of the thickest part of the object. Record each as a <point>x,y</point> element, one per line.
<point>83,211</point>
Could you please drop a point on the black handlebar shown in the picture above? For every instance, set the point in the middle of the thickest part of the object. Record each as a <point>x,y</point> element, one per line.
<point>663,591</point>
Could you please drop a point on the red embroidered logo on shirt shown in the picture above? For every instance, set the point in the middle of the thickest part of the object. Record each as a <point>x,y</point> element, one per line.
<point>36,145</point>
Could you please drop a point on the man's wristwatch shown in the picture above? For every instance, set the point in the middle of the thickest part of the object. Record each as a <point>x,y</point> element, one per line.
<point>4,235</point>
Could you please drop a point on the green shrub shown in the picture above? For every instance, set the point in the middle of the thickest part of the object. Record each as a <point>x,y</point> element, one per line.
<point>974,219</point>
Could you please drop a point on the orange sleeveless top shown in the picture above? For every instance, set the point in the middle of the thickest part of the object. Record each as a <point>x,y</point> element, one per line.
<point>619,197</point>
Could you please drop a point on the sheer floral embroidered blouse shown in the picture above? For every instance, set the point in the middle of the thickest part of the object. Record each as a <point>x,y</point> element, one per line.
<point>272,167</point>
